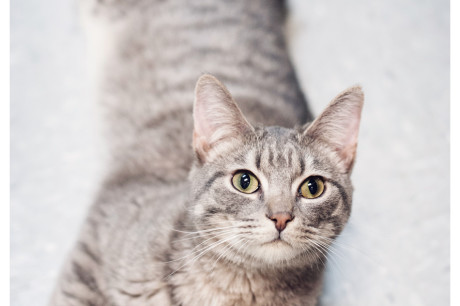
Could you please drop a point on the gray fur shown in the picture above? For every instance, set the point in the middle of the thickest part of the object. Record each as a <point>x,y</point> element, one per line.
<point>167,227</point>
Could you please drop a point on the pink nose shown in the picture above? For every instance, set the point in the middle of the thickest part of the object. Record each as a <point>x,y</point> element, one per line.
<point>281,219</point>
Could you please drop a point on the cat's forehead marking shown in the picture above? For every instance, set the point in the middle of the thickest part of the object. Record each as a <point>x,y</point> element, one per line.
<point>277,151</point>
<point>280,152</point>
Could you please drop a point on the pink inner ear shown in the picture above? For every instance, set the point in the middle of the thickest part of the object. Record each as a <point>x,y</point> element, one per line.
<point>203,127</point>
<point>217,118</point>
<point>338,125</point>
<point>350,139</point>
<point>211,106</point>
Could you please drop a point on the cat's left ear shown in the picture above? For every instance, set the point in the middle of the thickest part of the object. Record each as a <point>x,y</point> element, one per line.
<point>217,119</point>
<point>338,125</point>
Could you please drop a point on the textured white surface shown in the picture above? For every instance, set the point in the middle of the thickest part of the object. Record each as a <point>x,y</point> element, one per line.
<point>395,251</point>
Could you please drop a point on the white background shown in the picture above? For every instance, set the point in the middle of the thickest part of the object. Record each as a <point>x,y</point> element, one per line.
<point>395,250</point>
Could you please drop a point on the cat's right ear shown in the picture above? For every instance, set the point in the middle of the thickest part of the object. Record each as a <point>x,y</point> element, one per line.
<point>217,118</point>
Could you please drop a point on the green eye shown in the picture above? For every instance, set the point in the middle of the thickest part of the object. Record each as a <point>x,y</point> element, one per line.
<point>312,187</point>
<point>245,181</point>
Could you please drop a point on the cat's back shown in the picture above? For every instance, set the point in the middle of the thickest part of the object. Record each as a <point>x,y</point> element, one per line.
<point>151,55</point>
<point>154,51</point>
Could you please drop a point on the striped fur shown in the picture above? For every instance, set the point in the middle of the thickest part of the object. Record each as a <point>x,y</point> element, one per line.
<point>168,227</point>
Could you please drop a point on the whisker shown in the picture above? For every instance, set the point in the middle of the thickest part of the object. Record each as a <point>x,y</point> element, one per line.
<point>325,251</point>
<point>204,231</point>
<point>203,235</point>
<point>194,250</point>
<point>319,257</point>
<point>336,244</point>
<point>311,252</point>
<point>201,254</point>
<point>225,251</point>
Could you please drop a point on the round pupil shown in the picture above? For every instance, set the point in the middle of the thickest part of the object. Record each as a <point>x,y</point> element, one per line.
<point>312,186</point>
<point>245,180</point>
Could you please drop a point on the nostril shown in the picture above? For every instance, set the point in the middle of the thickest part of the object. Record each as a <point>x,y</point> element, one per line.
<point>281,219</point>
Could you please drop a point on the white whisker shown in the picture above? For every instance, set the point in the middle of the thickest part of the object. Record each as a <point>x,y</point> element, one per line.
<point>201,254</point>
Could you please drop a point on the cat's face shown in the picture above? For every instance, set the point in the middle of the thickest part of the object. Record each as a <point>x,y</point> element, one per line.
<point>268,196</point>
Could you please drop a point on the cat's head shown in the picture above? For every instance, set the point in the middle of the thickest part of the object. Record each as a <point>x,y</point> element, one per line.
<point>271,196</point>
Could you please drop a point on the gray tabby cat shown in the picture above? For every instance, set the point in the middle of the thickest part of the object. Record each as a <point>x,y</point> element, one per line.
<point>245,215</point>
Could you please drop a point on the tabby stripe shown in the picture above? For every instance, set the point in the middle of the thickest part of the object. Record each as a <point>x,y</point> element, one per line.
<point>270,157</point>
<point>302,164</point>
<point>153,293</point>
<point>74,297</point>
<point>121,291</point>
<point>258,161</point>
<point>208,184</point>
<point>289,158</point>
<point>85,249</point>
<point>261,87</point>
<point>85,277</point>
<point>342,192</point>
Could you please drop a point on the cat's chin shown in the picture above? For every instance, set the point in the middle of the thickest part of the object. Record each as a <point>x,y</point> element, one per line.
<point>275,252</point>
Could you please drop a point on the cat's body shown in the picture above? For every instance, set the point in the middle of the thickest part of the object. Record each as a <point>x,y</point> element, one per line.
<point>162,232</point>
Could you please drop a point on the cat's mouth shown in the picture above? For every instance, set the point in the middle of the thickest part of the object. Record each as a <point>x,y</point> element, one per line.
<point>276,241</point>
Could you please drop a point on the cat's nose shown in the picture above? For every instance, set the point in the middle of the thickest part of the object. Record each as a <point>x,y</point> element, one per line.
<point>281,219</point>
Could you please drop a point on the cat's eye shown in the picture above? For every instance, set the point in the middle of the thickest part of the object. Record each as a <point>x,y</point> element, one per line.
<point>312,187</point>
<point>245,181</point>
